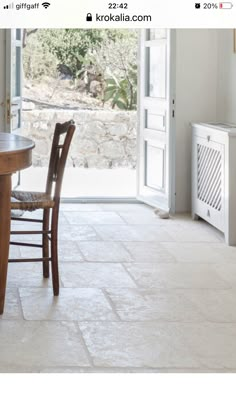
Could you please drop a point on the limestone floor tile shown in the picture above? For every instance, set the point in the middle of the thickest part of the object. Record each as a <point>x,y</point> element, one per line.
<point>38,214</point>
<point>140,218</point>
<point>133,233</point>
<point>148,252</point>
<point>37,239</point>
<point>81,207</point>
<point>77,233</point>
<point>213,344</point>
<point>67,251</point>
<point>185,219</point>
<point>214,305</point>
<point>29,252</point>
<point>194,234</point>
<point>99,275</point>
<point>185,224</point>
<point>226,254</point>
<point>137,344</point>
<point>127,207</point>
<point>70,305</point>
<point>14,252</point>
<point>93,218</point>
<point>26,275</point>
<point>34,344</point>
<point>194,252</point>
<point>24,226</point>
<point>104,252</point>
<point>12,309</point>
<point>227,271</point>
<point>177,275</point>
<point>127,370</point>
<point>20,369</point>
<point>158,305</point>
<point>21,225</point>
<point>62,219</point>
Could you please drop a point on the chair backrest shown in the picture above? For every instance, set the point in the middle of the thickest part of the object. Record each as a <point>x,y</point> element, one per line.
<point>58,157</point>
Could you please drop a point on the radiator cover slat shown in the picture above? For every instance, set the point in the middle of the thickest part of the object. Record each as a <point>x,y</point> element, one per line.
<point>209,176</point>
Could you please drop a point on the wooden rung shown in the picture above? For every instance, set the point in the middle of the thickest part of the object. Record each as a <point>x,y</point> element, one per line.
<point>24,219</point>
<point>30,232</point>
<point>29,260</point>
<point>26,244</point>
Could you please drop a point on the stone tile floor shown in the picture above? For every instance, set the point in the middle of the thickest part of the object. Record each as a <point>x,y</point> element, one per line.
<point>138,294</point>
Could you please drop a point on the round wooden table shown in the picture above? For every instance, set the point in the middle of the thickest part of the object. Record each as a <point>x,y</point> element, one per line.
<point>15,154</point>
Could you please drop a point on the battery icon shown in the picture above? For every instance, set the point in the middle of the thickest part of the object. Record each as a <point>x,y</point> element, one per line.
<point>226,5</point>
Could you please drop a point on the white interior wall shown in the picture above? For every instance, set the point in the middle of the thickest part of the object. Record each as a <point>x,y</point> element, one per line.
<point>196,94</point>
<point>2,77</point>
<point>226,99</point>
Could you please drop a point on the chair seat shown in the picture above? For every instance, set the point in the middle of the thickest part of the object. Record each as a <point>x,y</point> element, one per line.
<point>30,201</point>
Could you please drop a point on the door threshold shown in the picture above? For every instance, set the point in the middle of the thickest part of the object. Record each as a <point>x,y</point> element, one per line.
<point>128,200</point>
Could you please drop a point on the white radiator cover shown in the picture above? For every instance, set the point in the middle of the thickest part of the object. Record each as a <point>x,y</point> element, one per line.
<point>214,176</point>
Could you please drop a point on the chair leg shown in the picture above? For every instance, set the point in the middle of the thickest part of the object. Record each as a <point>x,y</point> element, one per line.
<point>54,253</point>
<point>46,215</point>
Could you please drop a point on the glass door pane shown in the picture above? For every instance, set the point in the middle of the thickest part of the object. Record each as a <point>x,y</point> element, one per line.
<point>156,65</point>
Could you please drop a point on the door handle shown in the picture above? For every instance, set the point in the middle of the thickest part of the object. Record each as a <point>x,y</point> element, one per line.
<point>8,116</point>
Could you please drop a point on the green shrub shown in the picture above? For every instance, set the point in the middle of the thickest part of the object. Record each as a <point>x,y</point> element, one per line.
<point>123,93</point>
<point>38,60</point>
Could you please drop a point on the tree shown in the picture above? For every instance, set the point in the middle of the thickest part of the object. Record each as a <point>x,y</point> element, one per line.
<point>71,45</point>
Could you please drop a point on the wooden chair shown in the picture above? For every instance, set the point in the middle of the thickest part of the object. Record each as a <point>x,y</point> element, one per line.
<point>49,202</point>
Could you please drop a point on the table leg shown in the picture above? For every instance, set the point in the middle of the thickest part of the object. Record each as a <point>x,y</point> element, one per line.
<point>5,220</point>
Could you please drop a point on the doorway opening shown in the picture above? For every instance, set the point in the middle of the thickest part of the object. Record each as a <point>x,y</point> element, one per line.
<point>89,76</point>
<point>126,124</point>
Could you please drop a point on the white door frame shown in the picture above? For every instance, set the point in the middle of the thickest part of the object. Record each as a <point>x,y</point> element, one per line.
<point>13,82</point>
<point>170,169</point>
<point>13,104</point>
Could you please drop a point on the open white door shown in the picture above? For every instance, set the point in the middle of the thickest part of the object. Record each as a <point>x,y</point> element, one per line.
<point>14,69</point>
<point>13,80</point>
<point>156,119</point>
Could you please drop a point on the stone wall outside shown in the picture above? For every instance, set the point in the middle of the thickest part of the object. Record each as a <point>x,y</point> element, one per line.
<point>103,139</point>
